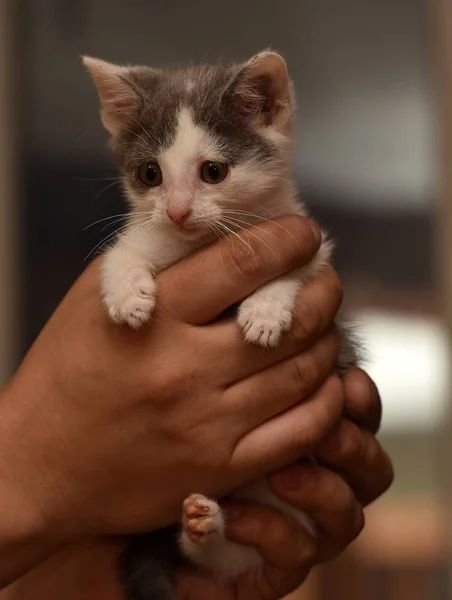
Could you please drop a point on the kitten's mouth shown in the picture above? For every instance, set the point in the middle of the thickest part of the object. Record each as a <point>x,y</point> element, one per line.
<point>188,229</point>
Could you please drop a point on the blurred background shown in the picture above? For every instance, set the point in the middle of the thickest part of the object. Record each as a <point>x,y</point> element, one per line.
<point>374,152</point>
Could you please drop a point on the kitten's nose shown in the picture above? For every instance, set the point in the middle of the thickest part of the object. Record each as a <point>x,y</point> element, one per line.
<point>178,215</point>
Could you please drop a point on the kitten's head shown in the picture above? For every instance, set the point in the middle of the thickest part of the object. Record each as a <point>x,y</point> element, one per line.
<point>198,146</point>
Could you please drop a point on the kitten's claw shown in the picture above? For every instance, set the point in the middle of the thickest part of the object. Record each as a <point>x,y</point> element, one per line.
<point>264,321</point>
<point>133,299</point>
<point>201,518</point>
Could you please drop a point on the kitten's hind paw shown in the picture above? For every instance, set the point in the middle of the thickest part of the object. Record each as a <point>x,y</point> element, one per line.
<point>133,299</point>
<point>201,519</point>
<point>263,321</point>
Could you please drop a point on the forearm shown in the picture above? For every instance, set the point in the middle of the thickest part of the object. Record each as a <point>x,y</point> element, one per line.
<point>21,553</point>
<point>25,536</point>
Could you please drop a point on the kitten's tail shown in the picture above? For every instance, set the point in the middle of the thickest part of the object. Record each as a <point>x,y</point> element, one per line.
<point>148,566</point>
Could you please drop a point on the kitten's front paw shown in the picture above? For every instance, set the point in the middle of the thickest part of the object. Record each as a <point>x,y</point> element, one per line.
<point>132,299</point>
<point>263,321</point>
<point>201,519</point>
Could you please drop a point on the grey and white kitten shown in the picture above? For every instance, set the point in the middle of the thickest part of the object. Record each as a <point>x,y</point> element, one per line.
<point>203,151</point>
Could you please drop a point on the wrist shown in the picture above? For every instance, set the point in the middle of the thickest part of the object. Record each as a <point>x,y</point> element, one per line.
<point>26,533</point>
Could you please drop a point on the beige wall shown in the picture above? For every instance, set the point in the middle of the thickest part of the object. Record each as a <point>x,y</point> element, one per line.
<point>8,202</point>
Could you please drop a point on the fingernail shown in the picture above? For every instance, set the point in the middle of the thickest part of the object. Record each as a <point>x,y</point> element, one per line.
<point>291,478</point>
<point>316,232</point>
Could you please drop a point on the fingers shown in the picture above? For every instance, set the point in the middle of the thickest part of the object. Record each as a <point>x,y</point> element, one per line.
<point>314,313</point>
<point>228,271</point>
<point>276,538</point>
<point>291,434</point>
<point>288,551</point>
<point>272,391</point>
<point>360,459</point>
<point>327,500</point>
<point>362,400</point>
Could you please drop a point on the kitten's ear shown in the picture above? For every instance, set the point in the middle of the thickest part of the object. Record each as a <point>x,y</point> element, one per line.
<point>119,98</point>
<point>264,90</point>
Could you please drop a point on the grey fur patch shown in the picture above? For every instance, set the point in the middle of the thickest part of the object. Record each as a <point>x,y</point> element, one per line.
<point>351,349</point>
<point>209,91</point>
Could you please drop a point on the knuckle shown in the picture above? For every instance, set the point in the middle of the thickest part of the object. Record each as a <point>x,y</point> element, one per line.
<point>362,394</point>
<point>305,323</point>
<point>335,287</point>
<point>305,552</point>
<point>353,525</point>
<point>306,371</point>
<point>303,229</point>
<point>243,259</point>
<point>332,394</point>
<point>335,284</point>
<point>331,493</point>
<point>335,388</point>
<point>271,529</point>
<point>360,521</point>
<point>304,433</point>
<point>352,444</point>
<point>168,384</point>
<point>388,477</point>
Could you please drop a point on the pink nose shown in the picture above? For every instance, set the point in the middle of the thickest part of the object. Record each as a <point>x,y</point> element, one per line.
<point>179,216</point>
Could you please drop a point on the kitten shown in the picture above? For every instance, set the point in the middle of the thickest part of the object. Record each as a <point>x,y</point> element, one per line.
<point>203,151</point>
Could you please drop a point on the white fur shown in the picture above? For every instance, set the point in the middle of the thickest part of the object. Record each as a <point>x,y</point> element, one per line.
<point>129,290</point>
<point>227,559</point>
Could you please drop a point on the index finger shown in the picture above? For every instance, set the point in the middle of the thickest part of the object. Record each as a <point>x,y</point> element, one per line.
<point>199,288</point>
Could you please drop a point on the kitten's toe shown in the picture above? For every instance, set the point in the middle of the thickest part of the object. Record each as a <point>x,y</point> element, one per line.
<point>135,311</point>
<point>201,519</point>
<point>133,299</point>
<point>264,321</point>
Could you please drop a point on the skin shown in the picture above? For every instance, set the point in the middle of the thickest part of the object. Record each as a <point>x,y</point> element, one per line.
<point>335,502</point>
<point>104,414</point>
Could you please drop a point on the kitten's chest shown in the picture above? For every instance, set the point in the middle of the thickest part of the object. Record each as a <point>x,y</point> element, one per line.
<point>166,251</point>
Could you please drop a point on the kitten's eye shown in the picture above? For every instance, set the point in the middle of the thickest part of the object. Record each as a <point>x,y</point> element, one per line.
<point>213,172</point>
<point>150,174</point>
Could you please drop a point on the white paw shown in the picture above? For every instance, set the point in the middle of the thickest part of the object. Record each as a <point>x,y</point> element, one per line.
<point>201,519</point>
<point>263,321</point>
<point>132,299</point>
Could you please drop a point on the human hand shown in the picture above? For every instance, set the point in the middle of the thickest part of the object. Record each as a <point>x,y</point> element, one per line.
<point>116,427</point>
<point>358,472</point>
<point>88,571</point>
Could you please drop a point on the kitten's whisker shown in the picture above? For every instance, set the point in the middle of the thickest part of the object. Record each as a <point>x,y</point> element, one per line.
<point>221,122</point>
<point>248,232</point>
<point>130,221</point>
<point>106,239</point>
<point>211,228</point>
<point>112,217</point>
<point>105,189</point>
<point>147,133</point>
<point>98,179</point>
<point>240,222</point>
<point>220,233</point>
<point>82,135</point>
<point>231,232</point>
<point>121,144</point>
<point>149,221</point>
<point>151,225</point>
<point>109,237</point>
<point>102,243</point>
<point>243,213</point>
<point>215,231</point>
<point>143,142</point>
